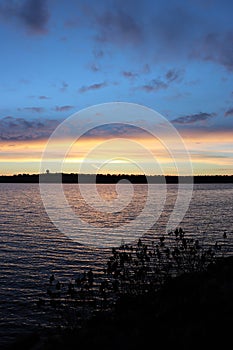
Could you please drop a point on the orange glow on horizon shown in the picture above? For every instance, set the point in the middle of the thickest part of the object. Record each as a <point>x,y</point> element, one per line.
<point>210,153</point>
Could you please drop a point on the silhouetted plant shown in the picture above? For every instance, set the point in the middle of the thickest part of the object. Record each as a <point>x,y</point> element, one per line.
<point>132,269</point>
<point>147,266</point>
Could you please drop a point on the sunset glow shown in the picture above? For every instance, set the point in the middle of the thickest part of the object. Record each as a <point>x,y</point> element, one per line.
<point>211,153</point>
<point>62,57</point>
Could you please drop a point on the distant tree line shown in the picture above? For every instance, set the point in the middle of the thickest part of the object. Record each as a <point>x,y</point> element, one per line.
<point>112,178</point>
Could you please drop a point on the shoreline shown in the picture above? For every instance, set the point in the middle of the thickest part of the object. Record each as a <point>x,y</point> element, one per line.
<point>113,179</point>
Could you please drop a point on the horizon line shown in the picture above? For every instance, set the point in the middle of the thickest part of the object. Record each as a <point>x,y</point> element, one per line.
<point>110,174</point>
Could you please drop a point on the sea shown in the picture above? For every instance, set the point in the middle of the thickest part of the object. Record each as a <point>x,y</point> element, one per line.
<point>39,238</point>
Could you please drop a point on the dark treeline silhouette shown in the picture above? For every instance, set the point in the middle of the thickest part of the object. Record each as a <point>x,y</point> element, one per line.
<point>112,178</point>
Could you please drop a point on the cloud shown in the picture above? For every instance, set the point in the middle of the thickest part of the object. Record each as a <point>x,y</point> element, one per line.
<point>21,129</point>
<point>229,112</point>
<point>161,83</point>
<point>63,108</point>
<point>43,97</point>
<point>94,67</point>
<point>217,47</point>
<point>118,27</point>
<point>98,53</point>
<point>129,74</point>
<point>174,75</point>
<point>31,109</point>
<point>33,14</point>
<point>154,85</point>
<point>193,118</point>
<point>173,27</point>
<point>115,130</point>
<point>40,97</point>
<point>96,86</point>
<point>167,30</point>
<point>177,96</point>
<point>161,29</point>
<point>64,86</point>
<point>146,69</point>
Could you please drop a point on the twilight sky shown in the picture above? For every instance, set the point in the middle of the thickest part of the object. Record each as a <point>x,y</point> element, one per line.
<point>58,57</point>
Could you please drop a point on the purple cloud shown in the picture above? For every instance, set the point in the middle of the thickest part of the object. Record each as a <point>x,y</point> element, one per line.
<point>64,86</point>
<point>98,53</point>
<point>174,75</point>
<point>116,130</point>
<point>129,74</point>
<point>193,118</point>
<point>94,67</point>
<point>63,108</point>
<point>21,129</point>
<point>43,97</point>
<point>96,86</point>
<point>118,26</point>
<point>229,112</point>
<point>146,69</point>
<point>163,30</point>
<point>154,85</point>
<point>167,32</point>
<point>31,109</point>
<point>217,47</point>
<point>33,14</point>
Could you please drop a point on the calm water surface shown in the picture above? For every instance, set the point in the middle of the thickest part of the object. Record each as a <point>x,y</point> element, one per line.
<point>32,248</point>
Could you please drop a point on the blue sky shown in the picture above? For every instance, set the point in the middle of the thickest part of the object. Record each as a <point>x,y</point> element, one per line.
<point>58,57</point>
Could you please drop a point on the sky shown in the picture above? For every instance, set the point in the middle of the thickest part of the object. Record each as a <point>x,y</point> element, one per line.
<point>59,57</point>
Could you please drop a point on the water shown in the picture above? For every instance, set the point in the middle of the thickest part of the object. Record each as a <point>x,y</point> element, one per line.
<point>32,248</point>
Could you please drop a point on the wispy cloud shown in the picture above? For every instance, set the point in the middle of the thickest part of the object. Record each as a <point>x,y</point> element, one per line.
<point>154,85</point>
<point>32,109</point>
<point>40,97</point>
<point>161,83</point>
<point>98,53</point>
<point>116,130</point>
<point>193,118</point>
<point>63,108</point>
<point>146,69</point>
<point>169,31</point>
<point>94,67</point>
<point>174,75</point>
<point>129,74</point>
<point>33,14</point>
<point>96,86</point>
<point>229,112</point>
<point>217,47</point>
<point>43,97</point>
<point>64,86</point>
<point>118,26</point>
